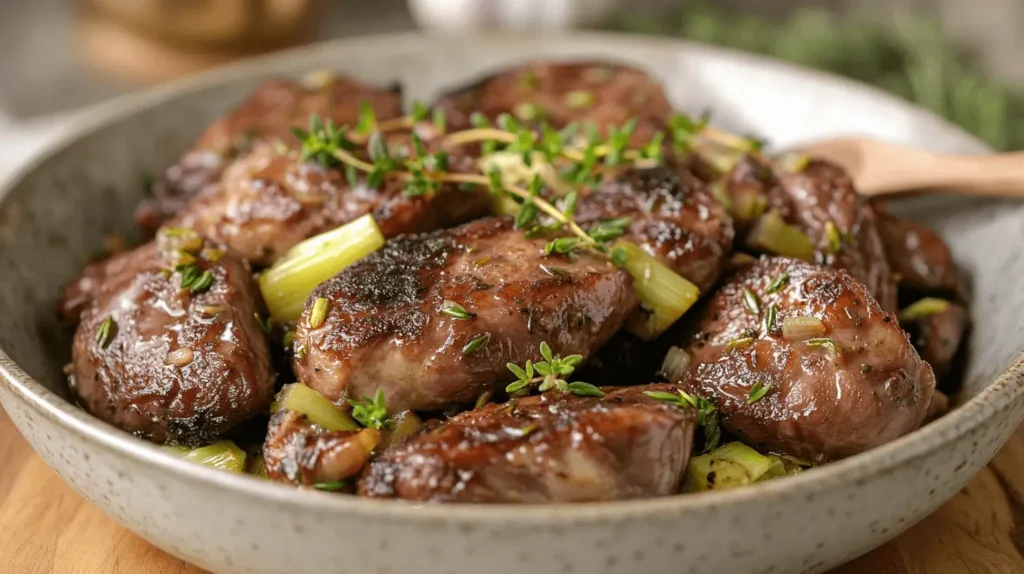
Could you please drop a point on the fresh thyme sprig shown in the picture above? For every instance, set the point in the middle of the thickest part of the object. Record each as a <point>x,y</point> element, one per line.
<point>577,153</point>
<point>371,413</point>
<point>550,374</point>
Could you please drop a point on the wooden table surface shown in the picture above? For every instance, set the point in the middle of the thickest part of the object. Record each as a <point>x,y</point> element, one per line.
<point>45,527</point>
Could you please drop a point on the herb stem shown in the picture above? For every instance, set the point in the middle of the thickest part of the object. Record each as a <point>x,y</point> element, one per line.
<point>523,194</point>
<point>347,157</point>
<point>476,135</point>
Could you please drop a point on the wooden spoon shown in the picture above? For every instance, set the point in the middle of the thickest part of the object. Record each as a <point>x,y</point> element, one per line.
<point>881,169</point>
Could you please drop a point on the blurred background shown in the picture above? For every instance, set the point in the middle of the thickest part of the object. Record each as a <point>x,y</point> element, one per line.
<point>960,58</point>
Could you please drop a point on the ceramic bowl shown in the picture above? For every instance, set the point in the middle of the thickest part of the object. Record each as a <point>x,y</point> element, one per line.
<point>56,212</point>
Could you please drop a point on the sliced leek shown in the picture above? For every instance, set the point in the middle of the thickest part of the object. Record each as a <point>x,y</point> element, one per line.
<point>729,466</point>
<point>782,466</point>
<point>299,398</point>
<point>404,424</point>
<point>924,308</point>
<point>222,455</point>
<point>749,205</point>
<point>287,284</point>
<point>664,294</point>
<point>802,328</point>
<point>774,235</point>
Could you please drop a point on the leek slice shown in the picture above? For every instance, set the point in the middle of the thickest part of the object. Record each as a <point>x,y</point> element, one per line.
<point>222,455</point>
<point>924,308</point>
<point>729,466</point>
<point>802,328</point>
<point>404,424</point>
<point>287,284</point>
<point>304,400</point>
<point>774,235</point>
<point>664,294</point>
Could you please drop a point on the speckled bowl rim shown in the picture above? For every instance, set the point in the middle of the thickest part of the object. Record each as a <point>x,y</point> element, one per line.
<point>1000,394</point>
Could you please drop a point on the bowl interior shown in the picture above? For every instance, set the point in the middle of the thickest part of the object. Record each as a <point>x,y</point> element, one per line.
<point>55,214</point>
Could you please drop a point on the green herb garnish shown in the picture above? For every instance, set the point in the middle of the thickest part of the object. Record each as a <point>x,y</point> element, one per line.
<point>778,283</point>
<point>751,301</point>
<point>824,342</point>
<point>550,374</point>
<point>202,282</point>
<point>758,392</point>
<point>333,486</point>
<point>476,343</point>
<point>106,332</point>
<point>321,141</point>
<point>456,311</point>
<point>770,317</point>
<point>834,237</point>
<point>372,412</point>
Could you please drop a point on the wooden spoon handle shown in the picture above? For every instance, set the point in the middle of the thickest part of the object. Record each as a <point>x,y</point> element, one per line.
<point>986,175</point>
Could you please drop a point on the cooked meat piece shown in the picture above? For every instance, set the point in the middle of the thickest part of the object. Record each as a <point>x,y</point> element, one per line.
<point>920,258</point>
<point>387,326</point>
<point>810,199</point>
<point>267,202</point>
<point>166,364</point>
<point>549,448</point>
<point>265,117</point>
<point>563,93</point>
<point>831,394</point>
<point>299,452</point>
<point>937,337</point>
<point>673,217</point>
<point>79,294</point>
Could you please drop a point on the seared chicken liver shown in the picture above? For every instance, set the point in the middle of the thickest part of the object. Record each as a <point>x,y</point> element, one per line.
<point>674,217</point>
<point>919,257</point>
<point>269,201</point>
<point>161,362</point>
<point>813,197</point>
<point>563,93</point>
<point>854,386</point>
<point>937,338</point>
<point>263,119</point>
<point>549,448</point>
<point>389,323</point>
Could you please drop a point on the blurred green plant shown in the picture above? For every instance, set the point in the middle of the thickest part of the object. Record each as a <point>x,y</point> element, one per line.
<point>912,58</point>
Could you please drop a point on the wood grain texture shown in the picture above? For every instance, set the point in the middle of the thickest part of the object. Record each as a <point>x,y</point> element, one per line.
<point>46,528</point>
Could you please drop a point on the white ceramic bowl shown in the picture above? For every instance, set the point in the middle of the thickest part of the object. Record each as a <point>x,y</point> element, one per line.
<point>57,210</point>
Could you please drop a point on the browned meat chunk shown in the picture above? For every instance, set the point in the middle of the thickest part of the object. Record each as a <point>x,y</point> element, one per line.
<point>265,117</point>
<point>821,193</point>
<point>299,452</point>
<point>919,257</point>
<point>938,337</point>
<point>834,389</point>
<point>395,320</point>
<point>815,198</point>
<point>673,217</point>
<point>549,448</point>
<point>267,202</point>
<point>563,93</point>
<point>165,363</point>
